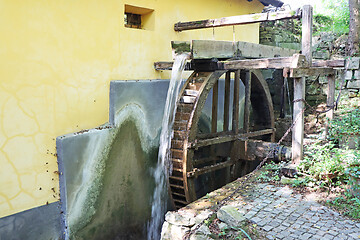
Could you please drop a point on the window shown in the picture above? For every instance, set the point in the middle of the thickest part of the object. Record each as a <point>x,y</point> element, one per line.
<point>138,17</point>
<point>132,20</point>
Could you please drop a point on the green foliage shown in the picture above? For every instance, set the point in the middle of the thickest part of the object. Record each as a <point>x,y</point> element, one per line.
<point>350,206</point>
<point>347,124</point>
<point>324,163</point>
<point>270,173</point>
<point>301,182</point>
<point>338,12</point>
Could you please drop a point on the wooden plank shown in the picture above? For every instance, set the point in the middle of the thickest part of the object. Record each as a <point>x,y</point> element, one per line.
<point>306,72</point>
<point>340,63</point>
<point>214,109</point>
<point>247,101</point>
<point>199,171</point>
<point>236,20</point>
<point>307,28</point>
<point>168,66</point>
<point>228,138</point>
<point>227,101</point>
<point>298,118</point>
<point>277,63</point>
<point>330,101</point>
<point>236,108</point>
<point>253,50</point>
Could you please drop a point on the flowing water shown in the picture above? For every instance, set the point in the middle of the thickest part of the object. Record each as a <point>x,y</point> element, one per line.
<point>164,168</point>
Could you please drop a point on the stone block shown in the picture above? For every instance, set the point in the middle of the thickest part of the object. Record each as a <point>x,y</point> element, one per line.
<point>354,84</point>
<point>321,55</point>
<point>172,232</point>
<point>176,218</point>
<point>230,216</point>
<point>357,75</point>
<point>352,63</point>
<point>295,46</point>
<point>348,75</point>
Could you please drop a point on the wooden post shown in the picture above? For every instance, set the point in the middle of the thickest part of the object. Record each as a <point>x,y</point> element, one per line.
<point>235,146</point>
<point>299,87</point>
<point>226,101</point>
<point>235,120</point>
<point>214,107</point>
<point>307,27</point>
<point>330,100</point>
<point>247,101</point>
<point>298,119</point>
<point>283,98</point>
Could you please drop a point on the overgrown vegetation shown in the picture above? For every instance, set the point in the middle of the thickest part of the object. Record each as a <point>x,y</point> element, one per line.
<point>330,165</point>
<point>334,16</point>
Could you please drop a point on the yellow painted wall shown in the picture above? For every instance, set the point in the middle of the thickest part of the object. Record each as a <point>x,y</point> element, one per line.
<point>57,59</point>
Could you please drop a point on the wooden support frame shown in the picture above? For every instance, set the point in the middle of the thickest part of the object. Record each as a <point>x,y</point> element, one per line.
<point>236,107</point>
<point>307,72</point>
<point>298,120</point>
<point>330,101</point>
<point>214,110</point>
<point>199,171</point>
<point>247,101</point>
<point>299,87</point>
<point>296,61</point>
<point>227,101</point>
<point>237,20</point>
<point>211,140</point>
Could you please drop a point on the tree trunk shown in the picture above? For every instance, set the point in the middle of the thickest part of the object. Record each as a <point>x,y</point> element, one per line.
<point>352,47</point>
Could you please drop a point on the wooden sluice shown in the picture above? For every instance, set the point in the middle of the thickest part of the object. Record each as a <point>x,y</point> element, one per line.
<point>195,155</point>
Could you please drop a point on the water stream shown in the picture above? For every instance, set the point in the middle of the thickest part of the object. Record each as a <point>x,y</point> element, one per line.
<point>164,168</point>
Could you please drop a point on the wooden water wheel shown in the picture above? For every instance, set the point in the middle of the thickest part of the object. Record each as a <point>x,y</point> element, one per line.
<point>207,161</point>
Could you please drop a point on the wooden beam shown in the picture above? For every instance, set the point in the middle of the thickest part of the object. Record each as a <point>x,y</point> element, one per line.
<point>307,28</point>
<point>340,63</point>
<point>330,101</point>
<point>168,66</point>
<point>228,138</point>
<point>227,101</point>
<point>236,108</point>
<point>296,61</point>
<point>298,121</point>
<point>236,20</point>
<point>214,110</point>
<point>307,72</point>
<point>199,171</point>
<point>247,101</point>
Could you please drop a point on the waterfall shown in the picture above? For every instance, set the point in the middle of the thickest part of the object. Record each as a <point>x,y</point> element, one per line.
<point>164,168</point>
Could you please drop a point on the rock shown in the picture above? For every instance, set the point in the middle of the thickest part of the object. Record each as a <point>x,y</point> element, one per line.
<point>288,172</point>
<point>348,75</point>
<point>223,226</point>
<point>203,233</point>
<point>354,84</point>
<point>203,215</point>
<point>357,75</point>
<point>173,232</point>
<point>230,216</point>
<point>353,63</point>
<point>180,218</point>
<point>286,180</point>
